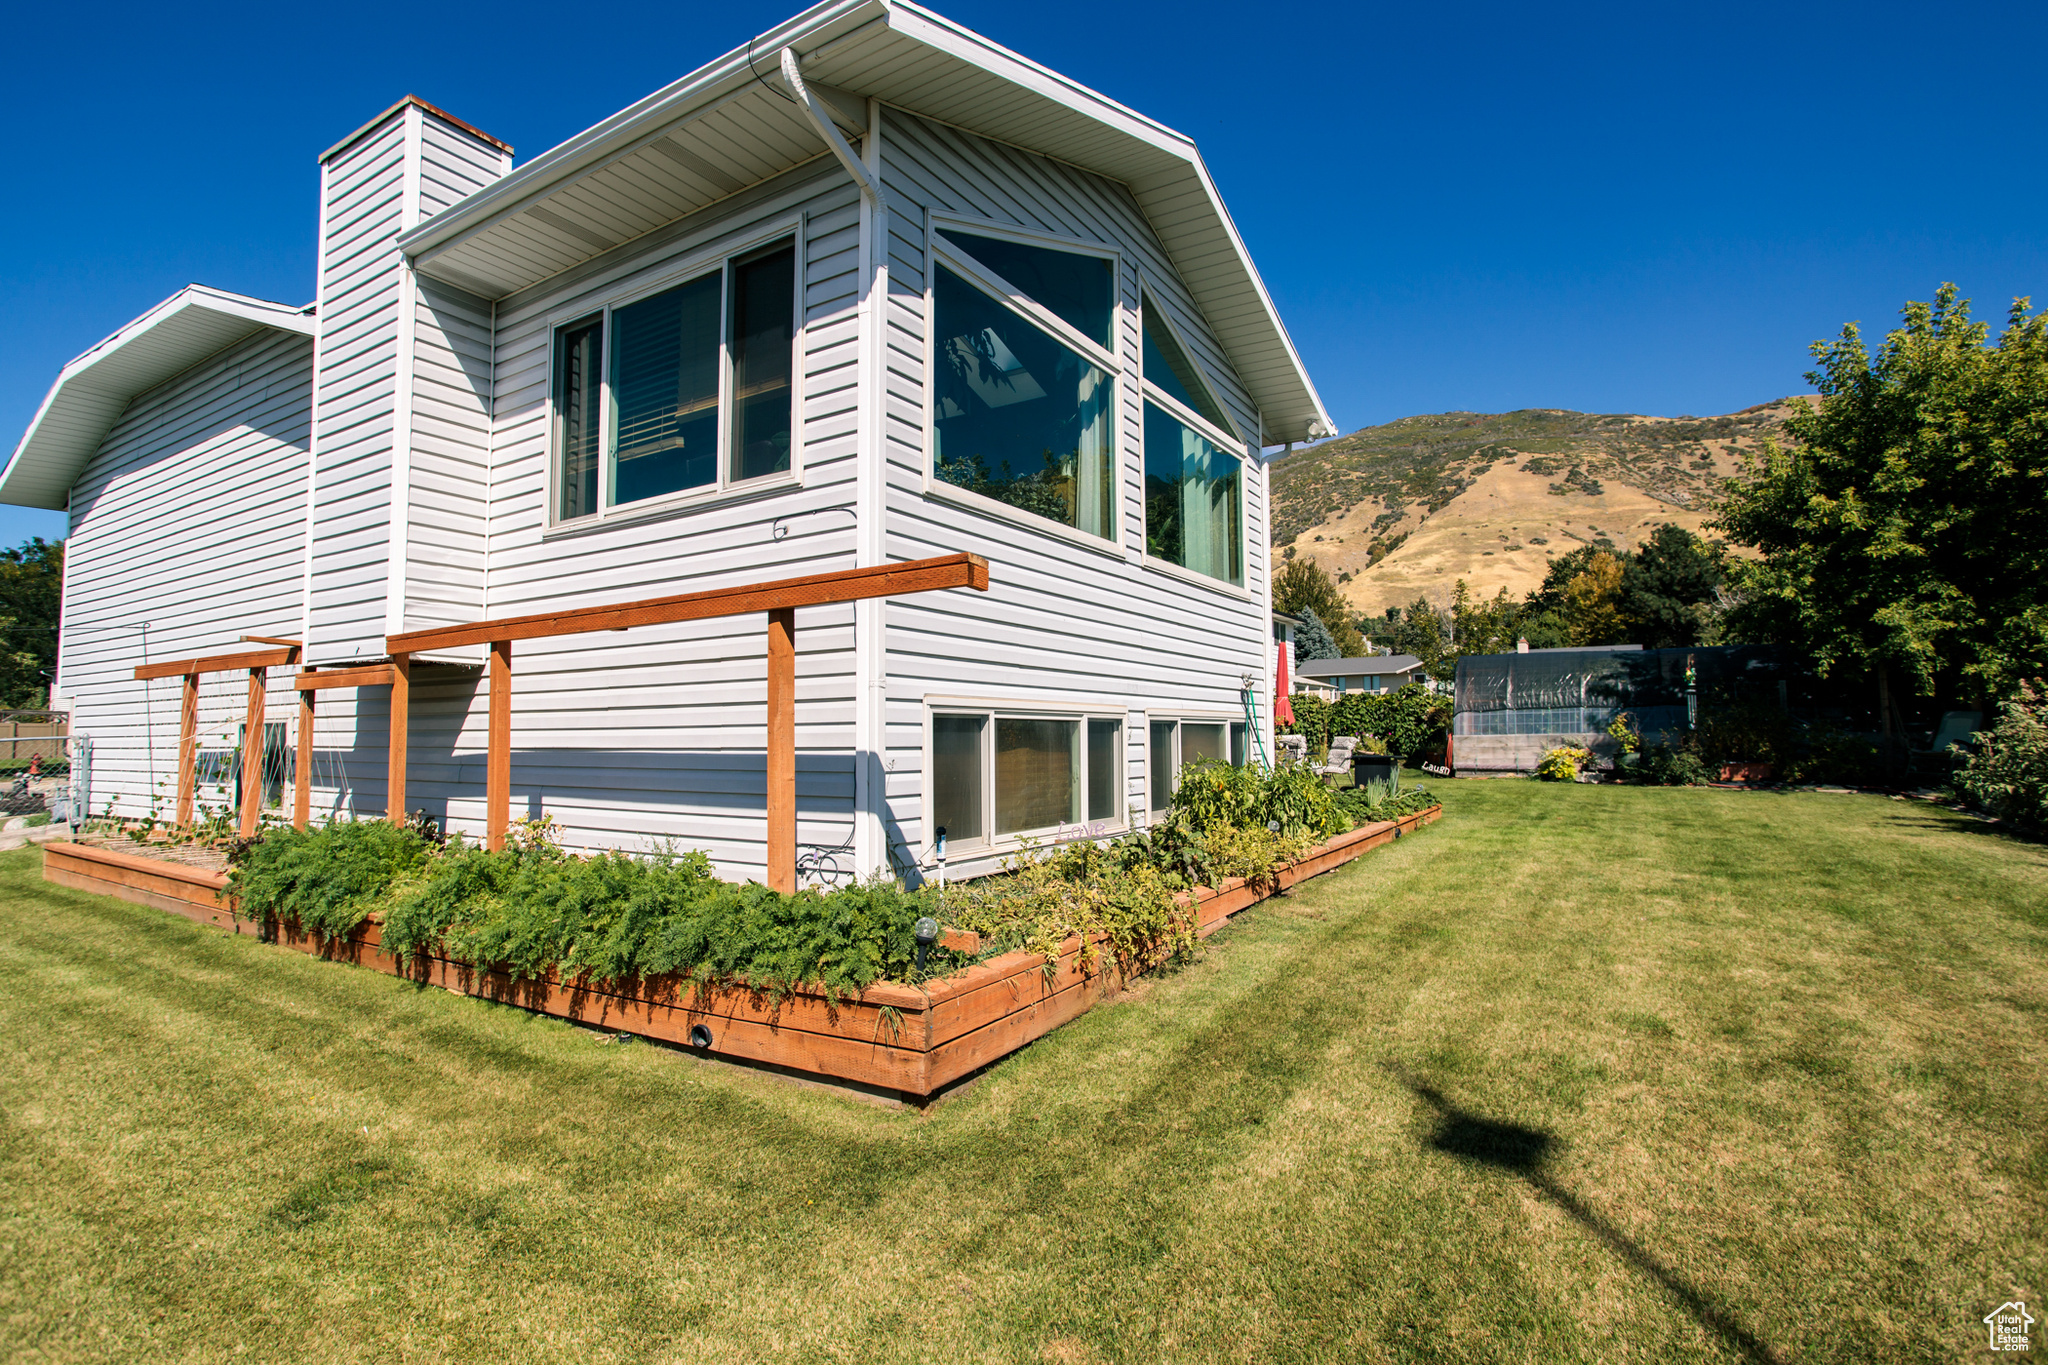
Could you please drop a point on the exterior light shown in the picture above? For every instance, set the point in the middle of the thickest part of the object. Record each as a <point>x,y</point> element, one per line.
<point>926,932</point>
<point>700,1037</point>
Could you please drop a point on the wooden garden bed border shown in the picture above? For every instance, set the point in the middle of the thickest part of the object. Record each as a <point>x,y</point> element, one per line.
<point>916,1040</point>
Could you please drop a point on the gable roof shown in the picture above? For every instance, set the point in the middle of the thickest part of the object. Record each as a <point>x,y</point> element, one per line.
<point>731,124</point>
<point>94,390</point>
<point>1373,663</point>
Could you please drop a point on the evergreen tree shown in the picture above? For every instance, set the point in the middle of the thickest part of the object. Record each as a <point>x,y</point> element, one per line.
<point>1313,640</point>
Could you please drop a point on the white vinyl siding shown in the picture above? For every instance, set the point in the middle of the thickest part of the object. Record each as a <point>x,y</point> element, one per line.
<point>660,732</point>
<point>1098,628</point>
<point>186,532</point>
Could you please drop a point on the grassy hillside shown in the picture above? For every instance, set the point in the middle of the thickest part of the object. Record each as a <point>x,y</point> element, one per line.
<point>1414,505</point>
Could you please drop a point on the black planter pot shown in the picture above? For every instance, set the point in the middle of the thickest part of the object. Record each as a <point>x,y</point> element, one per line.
<point>1369,767</point>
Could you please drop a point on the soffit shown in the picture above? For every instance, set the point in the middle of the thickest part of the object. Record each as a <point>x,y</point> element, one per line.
<point>94,390</point>
<point>731,125</point>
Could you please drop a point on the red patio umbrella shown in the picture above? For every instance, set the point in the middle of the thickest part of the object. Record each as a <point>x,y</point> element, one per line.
<point>1283,710</point>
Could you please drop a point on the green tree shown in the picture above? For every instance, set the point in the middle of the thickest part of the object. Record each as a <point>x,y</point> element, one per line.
<point>1671,590</point>
<point>1313,640</point>
<point>31,595</point>
<point>1301,583</point>
<point>1905,529</point>
<point>1424,632</point>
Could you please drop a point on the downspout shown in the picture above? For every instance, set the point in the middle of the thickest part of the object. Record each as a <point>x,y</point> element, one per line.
<point>870,188</point>
<point>870,730</point>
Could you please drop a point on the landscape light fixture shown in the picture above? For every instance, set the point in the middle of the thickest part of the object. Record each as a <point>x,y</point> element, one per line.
<point>926,931</point>
<point>700,1037</point>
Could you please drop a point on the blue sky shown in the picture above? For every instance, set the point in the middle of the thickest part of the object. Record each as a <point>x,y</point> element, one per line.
<point>1611,208</point>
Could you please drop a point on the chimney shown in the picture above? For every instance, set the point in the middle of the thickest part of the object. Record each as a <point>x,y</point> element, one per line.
<point>1522,645</point>
<point>381,326</point>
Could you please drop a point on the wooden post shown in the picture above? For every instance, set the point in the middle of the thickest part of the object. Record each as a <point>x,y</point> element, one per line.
<point>252,753</point>
<point>401,716</point>
<point>302,776</point>
<point>188,749</point>
<point>782,749</point>
<point>498,761</point>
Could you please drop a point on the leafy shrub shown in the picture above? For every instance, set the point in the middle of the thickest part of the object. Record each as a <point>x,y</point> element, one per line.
<point>2008,775</point>
<point>325,878</point>
<point>1831,755</point>
<point>1411,721</point>
<point>1302,804</point>
<point>1748,732</point>
<point>1563,763</point>
<point>1664,765</point>
<point>1624,731</point>
<point>1377,801</point>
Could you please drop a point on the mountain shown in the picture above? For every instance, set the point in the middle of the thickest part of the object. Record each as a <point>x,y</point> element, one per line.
<point>1408,508</point>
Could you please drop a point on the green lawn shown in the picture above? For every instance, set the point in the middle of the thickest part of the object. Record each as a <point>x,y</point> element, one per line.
<point>1578,1074</point>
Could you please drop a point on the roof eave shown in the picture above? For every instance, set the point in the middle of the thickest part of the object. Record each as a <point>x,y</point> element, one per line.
<point>46,462</point>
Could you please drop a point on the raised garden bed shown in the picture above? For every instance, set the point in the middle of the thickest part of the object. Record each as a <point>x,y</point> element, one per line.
<point>911,1040</point>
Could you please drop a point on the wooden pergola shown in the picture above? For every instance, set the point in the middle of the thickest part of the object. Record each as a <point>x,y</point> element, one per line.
<point>259,663</point>
<point>779,599</point>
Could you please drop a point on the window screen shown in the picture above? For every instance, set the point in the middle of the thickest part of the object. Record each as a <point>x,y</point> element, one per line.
<point>1162,773</point>
<point>1038,773</point>
<point>956,776</point>
<point>1105,769</point>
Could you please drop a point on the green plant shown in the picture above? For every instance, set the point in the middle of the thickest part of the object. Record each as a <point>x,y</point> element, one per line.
<point>325,878</point>
<point>1664,765</point>
<point>2008,774</point>
<point>1624,731</point>
<point>1563,763</point>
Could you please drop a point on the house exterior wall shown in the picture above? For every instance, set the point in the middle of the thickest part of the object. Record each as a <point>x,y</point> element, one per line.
<point>1065,624</point>
<point>186,532</point>
<point>659,733</point>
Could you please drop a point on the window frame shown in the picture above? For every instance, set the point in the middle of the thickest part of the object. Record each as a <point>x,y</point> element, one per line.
<point>941,254</point>
<point>991,843</point>
<point>684,269</point>
<point>1230,442</point>
<point>1179,717</point>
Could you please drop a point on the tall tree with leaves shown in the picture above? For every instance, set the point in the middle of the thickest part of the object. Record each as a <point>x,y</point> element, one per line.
<point>1906,529</point>
<point>31,596</point>
<point>1300,584</point>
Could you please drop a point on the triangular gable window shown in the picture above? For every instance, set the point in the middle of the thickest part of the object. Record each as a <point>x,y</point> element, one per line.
<point>1078,289</point>
<point>1168,368</point>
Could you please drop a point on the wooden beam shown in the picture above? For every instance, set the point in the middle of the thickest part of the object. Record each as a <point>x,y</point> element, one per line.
<point>782,750</point>
<point>302,774</point>
<point>367,675</point>
<point>252,754</point>
<point>269,640</point>
<point>498,751</point>
<point>401,717</point>
<point>188,749</point>
<point>219,663</point>
<point>843,585</point>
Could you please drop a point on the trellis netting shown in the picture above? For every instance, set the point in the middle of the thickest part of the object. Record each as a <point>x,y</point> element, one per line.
<point>1580,691</point>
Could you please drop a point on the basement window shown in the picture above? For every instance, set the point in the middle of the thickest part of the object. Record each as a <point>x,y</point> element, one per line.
<point>998,775</point>
<point>1176,742</point>
<point>684,391</point>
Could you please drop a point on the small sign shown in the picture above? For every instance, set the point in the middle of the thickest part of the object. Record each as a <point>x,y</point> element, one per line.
<point>2008,1324</point>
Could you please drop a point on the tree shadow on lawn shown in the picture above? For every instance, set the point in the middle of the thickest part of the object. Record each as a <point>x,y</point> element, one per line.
<point>1521,1152</point>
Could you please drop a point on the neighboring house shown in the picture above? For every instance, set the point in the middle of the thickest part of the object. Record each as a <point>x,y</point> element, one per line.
<point>1377,673</point>
<point>872,289</point>
<point>1285,627</point>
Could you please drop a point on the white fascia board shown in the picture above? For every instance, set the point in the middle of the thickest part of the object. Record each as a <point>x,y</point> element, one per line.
<point>94,389</point>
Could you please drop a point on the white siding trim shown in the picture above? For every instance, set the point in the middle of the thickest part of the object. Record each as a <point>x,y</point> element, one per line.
<point>870,850</point>
<point>406,316</point>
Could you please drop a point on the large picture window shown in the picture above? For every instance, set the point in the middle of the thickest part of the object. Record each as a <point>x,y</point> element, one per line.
<point>997,775</point>
<point>1025,412</point>
<point>689,388</point>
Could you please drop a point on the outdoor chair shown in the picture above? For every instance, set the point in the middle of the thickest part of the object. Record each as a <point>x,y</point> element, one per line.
<point>1339,762</point>
<point>1956,728</point>
<point>1291,749</point>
